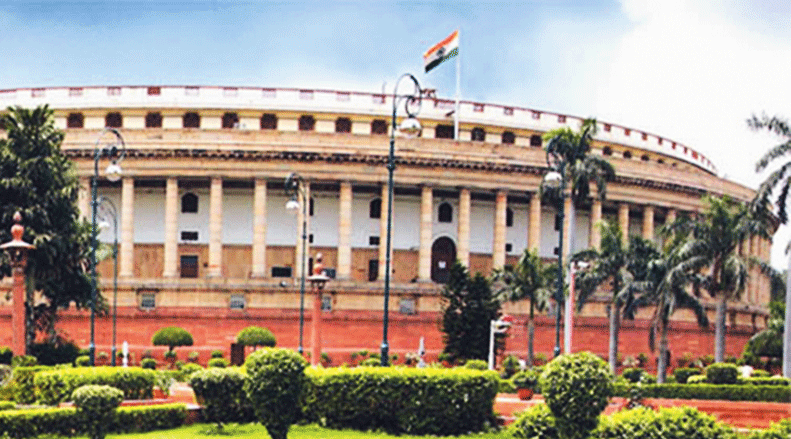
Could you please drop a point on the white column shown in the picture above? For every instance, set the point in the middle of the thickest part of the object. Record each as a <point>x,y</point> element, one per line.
<point>126,261</point>
<point>594,240</point>
<point>464,226</point>
<point>623,221</point>
<point>383,235</point>
<point>648,222</point>
<point>534,223</point>
<point>259,228</point>
<point>84,197</point>
<point>215,228</point>
<point>345,232</point>
<point>170,251</point>
<point>498,245</point>
<point>426,217</point>
<point>300,252</point>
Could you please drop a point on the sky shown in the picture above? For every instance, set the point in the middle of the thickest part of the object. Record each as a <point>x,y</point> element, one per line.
<point>692,71</point>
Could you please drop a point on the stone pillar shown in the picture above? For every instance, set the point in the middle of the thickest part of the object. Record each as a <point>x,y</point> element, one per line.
<point>594,237</point>
<point>463,253</point>
<point>426,233</point>
<point>623,221</point>
<point>567,235</point>
<point>84,197</point>
<point>299,252</point>
<point>127,252</point>
<point>215,228</point>
<point>648,222</point>
<point>345,232</point>
<point>534,223</point>
<point>170,268</point>
<point>498,245</point>
<point>259,229</point>
<point>671,216</point>
<point>383,235</point>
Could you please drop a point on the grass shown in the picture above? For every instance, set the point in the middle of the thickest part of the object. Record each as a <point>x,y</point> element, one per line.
<point>257,431</point>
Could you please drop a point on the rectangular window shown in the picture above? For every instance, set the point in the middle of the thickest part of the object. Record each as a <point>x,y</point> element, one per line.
<point>557,223</point>
<point>154,91</point>
<point>373,241</point>
<point>113,91</point>
<point>189,236</point>
<point>189,266</point>
<point>281,271</point>
<point>407,306</point>
<point>373,269</point>
<point>326,303</point>
<point>237,301</point>
<point>509,248</point>
<point>148,301</point>
<point>75,91</point>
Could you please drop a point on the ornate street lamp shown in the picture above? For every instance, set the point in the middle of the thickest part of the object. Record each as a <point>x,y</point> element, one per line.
<point>17,253</point>
<point>108,212</point>
<point>317,280</point>
<point>115,150</point>
<point>295,189</point>
<point>410,127</point>
<point>556,179</point>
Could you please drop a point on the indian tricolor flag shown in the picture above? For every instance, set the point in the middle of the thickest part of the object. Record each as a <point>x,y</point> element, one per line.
<point>445,49</point>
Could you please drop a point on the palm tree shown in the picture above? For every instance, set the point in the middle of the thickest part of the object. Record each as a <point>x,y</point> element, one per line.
<point>710,256</point>
<point>529,279</point>
<point>620,267</point>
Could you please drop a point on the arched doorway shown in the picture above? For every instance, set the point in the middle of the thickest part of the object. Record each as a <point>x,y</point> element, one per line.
<point>443,255</point>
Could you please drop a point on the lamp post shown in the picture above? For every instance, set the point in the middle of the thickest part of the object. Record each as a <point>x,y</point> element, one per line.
<point>568,323</point>
<point>108,211</point>
<point>409,126</point>
<point>556,179</point>
<point>317,280</point>
<point>17,251</point>
<point>115,150</point>
<point>295,188</point>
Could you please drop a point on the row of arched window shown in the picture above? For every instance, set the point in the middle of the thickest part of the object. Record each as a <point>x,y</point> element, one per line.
<point>444,212</point>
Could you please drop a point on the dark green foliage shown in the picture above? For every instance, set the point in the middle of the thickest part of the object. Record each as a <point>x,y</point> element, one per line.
<point>96,407</point>
<point>216,353</point>
<point>218,362</point>
<point>187,370</point>
<point>766,381</point>
<point>576,387</point>
<point>536,422</point>
<point>64,422</point>
<point>7,405</point>
<point>727,392</point>
<point>82,361</point>
<point>371,362</point>
<point>221,393</point>
<point>172,336</point>
<point>275,385</point>
<point>778,430</point>
<point>510,366</point>
<point>24,361</point>
<point>24,389</point>
<point>476,365</point>
<point>468,307</point>
<point>667,423</point>
<point>526,379</point>
<point>431,401</point>
<point>59,351</point>
<point>683,373</point>
<point>56,386</point>
<point>505,386</point>
<point>760,373</point>
<point>148,363</point>
<point>722,373</point>
<point>636,375</point>
<point>5,355</point>
<point>256,336</point>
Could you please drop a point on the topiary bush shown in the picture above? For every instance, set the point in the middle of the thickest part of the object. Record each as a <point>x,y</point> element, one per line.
<point>221,393</point>
<point>275,384</point>
<point>476,365</point>
<point>632,374</point>
<point>728,392</point>
<point>722,373</point>
<point>23,388</point>
<point>536,422</point>
<point>56,386</point>
<point>5,355</point>
<point>510,366</point>
<point>24,361</point>
<point>216,353</point>
<point>218,362</point>
<point>96,406</point>
<point>256,336</point>
<point>82,361</point>
<point>682,374</point>
<point>148,363</point>
<point>371,362</point>
<point>576,387</point>
<point>172,336</point>
<point>667,423</point>
<point>188,369</point>
<point>778,430</point>
<point>526,379</point>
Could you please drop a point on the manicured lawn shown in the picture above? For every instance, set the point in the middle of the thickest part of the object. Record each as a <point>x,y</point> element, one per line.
<point>256,431</point>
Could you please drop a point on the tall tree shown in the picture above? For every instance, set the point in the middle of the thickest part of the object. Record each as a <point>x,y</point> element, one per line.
<point>468,308</point>
<point>529,279</point>
<point>711,257</point>
<point>617,268</point>
<point>37,180</point>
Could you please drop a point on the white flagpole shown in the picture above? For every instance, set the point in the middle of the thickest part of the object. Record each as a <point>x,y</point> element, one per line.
<point>458,87</point>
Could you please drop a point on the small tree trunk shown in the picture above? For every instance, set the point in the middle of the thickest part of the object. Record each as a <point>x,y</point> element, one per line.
<point>531,329</point>
<point>661,368</point>
<point>719,332</point>
<point>615,314</point>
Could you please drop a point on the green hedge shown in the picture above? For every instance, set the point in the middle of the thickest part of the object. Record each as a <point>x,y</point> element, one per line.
<point>22,384</point>
<point>537,422</point>
<point>667,423</point>
<point>19,424</point>
<point>729,392</point>
<point>778,430</point>
<point>767,381</point>
<point>56,386</point>
<point>401,400</point>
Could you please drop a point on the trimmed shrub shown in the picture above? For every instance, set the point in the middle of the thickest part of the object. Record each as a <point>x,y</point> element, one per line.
<point>96,407</point>
<point>256,336</point>
<point>697,379</point>
<point>526,379</point>
<point>730,392</point>
<point>505,386</point>
<point>5,355</point>
<point>149,418</point>
<point>218,362</point>
<point>82,361</point>
<point>760,373</point>
<point>430,401</point>
<point>5,374</point>
<point>56,386</point>
<point>683,373</point>
<point>476,365</point>
<point>536,422</point>
<point>767,381</point>
<point>221,393</point>
<point>216,353</point>
<point>7,405</point>
<point>576,387</point>
<point>24,361</point>
<point>188,369</point>
<point>371,362</point>
<point>510,366</point>
<point>778,430</point>
<point>632,374</point>
<point>722,373</point>
<point>148,363</point>
<point>275,385</point>
<point>172,336</point>
<point>194,356</point>
<point>667,423</point>
<point>23,388</point>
